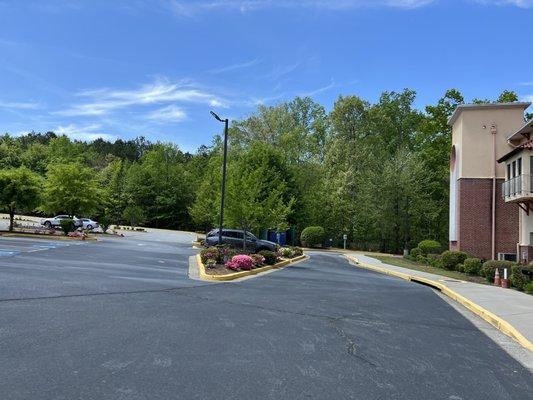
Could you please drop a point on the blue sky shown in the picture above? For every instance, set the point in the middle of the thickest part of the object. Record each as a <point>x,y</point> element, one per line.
<point>123,68</point>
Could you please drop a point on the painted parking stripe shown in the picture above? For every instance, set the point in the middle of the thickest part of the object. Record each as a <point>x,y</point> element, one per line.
<point>8,253</point>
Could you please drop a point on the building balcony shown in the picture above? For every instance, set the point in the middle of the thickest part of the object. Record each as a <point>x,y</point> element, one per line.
<point>518,189</point>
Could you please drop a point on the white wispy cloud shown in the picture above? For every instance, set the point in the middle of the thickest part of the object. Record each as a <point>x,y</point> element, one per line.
<point>102,101</point>
<point>191,8</point>
<point>527,97</point>
<point>86,133</point>
<point>280,71</point>
<point>19,105</point>
<point>325,88</point>
<point>236,66</point>
<point>169,113</point>
<point>516,3</point>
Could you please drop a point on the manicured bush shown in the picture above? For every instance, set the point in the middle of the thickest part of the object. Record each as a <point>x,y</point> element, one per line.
<point>422,259</point>
<point>429,247</point>
<point>286,252</point>
<point>297,251</point>
<point>240,261</point>
<point>220,254</point>
<point>67,226</point>
<point>258,260</point>
<point>489,268</point>
<point>270,257</point>
<point>450,259</point>
<point>414,253</point>
<point>460,268</point>
<point>529,288</point>
<point>435,260</point>
<point>517,278</point>
<point>472,266</point>
<point>211,253</point>
<point>312,236</point>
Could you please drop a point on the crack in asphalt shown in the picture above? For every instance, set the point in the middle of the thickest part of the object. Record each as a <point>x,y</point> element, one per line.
<point>351,347</point>
<point>65,296</point>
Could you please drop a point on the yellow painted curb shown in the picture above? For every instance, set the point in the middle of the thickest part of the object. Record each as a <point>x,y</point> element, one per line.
<point>491,318</point>
<point>52,237</point>
<point>242,274</point>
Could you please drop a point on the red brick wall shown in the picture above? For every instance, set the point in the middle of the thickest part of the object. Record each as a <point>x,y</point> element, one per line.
<point>475,219</point>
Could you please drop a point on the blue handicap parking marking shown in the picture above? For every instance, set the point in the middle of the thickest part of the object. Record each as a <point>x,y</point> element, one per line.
<point>8,253</point>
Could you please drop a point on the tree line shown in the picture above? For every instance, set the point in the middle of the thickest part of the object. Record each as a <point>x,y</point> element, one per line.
<point>377,172</point>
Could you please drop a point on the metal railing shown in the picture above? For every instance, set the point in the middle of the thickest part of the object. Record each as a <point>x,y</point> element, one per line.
<point>519,186</point>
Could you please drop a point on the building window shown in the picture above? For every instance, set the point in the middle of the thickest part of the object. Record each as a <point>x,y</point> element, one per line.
<point>507,257</point>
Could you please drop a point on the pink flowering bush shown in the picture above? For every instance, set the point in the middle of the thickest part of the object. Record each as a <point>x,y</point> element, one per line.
<point>241,261</point>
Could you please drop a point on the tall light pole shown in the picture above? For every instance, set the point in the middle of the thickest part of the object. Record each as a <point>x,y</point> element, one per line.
<point>226,122</point>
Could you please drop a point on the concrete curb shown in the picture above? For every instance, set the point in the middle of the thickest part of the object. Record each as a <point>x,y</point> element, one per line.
<point>491,318</point>
<point>49,237</point>
<point>241,274</point>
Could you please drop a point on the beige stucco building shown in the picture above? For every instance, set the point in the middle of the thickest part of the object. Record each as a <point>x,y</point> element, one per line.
<point>484,219</point>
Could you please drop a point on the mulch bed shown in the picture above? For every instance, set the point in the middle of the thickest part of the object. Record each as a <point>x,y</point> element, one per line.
<point>220,269</point>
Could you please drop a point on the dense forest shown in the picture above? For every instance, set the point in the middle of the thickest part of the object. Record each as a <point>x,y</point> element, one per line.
<point>377,172</point>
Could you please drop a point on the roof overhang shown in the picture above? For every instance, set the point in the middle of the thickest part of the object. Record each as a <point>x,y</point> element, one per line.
<point>486,106</point>
<point>510,154</point>
<point>526,130</point>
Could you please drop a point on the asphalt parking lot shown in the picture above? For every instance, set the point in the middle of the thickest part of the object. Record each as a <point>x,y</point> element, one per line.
<point>120,319</point>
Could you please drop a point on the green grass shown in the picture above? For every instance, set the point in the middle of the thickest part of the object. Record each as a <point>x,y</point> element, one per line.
<point>404,263</point>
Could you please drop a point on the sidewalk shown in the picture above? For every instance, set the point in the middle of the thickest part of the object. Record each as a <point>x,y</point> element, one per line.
<point>508,310</point>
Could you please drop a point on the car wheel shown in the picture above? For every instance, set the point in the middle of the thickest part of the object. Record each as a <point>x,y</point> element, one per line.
<point>47,224</point>
<point>89,227</point>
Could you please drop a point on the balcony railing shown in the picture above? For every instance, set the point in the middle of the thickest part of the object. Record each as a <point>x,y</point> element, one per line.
<point>517,187</point>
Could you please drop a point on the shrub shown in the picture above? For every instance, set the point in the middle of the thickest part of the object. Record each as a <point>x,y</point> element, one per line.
<point>450,259</point>
<point>422,259</point>
<point>211,253</point>
<point>258,260</point>
<point>529,288</point>
<point>429,247</point>
<point>240,261</point>
<point>435,260</point>
<point>67,225</point>
<point>489,268</point>
<point>286,252</point>
<point>460,268</point>
<point>414,253</point>
<point>220,254</point>
<point>270,257</point>
<point>210,263</point>
<point>312,236</point>
<point>472,266</point>
<point>297,251</point>
<point>518,279</point>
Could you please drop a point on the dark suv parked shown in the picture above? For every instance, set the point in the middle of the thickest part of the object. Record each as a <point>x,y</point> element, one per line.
<point>233,237</point>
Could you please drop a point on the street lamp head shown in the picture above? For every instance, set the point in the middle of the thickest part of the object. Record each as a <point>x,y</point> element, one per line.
<point>216,116</point>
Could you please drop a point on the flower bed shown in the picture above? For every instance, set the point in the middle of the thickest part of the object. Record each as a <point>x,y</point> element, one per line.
<point>224,260</point>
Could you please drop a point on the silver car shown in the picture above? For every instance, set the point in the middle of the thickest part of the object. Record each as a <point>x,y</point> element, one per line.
<point>89,224</point>
<point>55,222</point>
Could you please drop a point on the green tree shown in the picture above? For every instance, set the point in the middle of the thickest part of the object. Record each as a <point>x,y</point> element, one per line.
<point>70,188</point>
<point>19,191</point>
<point>507,96</point>
<point>259,190</point>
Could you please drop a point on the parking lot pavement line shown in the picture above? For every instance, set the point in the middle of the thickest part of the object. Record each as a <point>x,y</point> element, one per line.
<point>8,253</point>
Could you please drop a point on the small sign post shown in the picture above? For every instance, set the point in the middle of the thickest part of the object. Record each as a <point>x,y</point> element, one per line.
<point>345,238</point>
